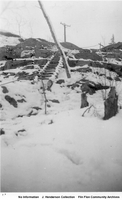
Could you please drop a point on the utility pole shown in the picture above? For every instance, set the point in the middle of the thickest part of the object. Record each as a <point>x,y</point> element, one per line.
<point>65,26</point>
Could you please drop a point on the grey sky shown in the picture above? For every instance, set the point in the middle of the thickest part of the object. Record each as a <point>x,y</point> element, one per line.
<point>91,22</point>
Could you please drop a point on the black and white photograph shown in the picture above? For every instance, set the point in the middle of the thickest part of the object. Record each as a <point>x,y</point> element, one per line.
<point>61,99</point>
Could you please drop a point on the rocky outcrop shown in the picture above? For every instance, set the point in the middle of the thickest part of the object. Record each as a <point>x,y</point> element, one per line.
<point>110,66</point>
<point>87,54</point>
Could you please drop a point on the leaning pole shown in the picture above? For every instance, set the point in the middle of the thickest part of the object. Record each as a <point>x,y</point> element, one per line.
<point>66,65</point>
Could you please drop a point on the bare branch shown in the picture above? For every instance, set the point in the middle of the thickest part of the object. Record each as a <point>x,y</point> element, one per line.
<point>5,8</point>
<point>87,110</point>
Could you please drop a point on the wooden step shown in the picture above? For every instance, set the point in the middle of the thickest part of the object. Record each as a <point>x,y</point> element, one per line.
<point>52,65</point>
<point>49,71</point>
<point>47,75</point>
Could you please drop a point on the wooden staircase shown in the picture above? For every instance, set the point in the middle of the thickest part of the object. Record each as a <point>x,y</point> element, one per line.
<point>51,67</point>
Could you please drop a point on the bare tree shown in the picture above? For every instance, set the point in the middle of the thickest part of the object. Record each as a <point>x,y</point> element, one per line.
<point>20,23</point>
<point>103,38</point>
<point>4,8</point>
<point>15,9</point>
<point>112,40</point>
<point>31,30</point>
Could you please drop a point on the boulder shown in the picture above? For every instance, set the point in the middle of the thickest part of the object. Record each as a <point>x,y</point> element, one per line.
<point>55,101</point>
<point>5,90</point>
<point>60,81</point>
<point>11,100</point>
<point>2,132</point>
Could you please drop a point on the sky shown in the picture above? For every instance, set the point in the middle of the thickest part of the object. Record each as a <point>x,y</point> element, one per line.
<point>91,22</point>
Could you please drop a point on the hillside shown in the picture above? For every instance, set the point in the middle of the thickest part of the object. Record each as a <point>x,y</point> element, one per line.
<point>8,34</point>
<point>9,39</point>
<point>41,48</point>
<point>113,47</point>
<point>49,141</point>
<point>70,46</point>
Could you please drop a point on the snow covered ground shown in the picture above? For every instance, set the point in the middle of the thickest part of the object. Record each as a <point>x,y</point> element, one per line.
<point>61,151</point>
<point>4,40</point>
